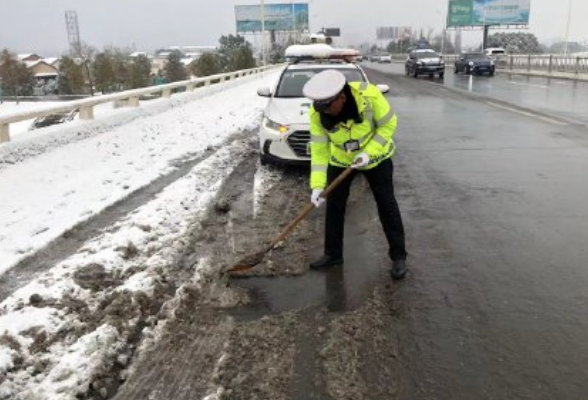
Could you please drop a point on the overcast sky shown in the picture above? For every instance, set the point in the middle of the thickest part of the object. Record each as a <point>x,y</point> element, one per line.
<point>39,25</point>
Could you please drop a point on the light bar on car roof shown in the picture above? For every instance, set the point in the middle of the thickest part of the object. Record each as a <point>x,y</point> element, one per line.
<point>319,51</point>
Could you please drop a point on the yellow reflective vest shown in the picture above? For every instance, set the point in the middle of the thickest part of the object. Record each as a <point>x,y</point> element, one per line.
<point>375,134</point>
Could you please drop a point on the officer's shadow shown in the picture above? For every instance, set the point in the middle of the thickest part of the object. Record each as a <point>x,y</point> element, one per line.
<point>336,294</point>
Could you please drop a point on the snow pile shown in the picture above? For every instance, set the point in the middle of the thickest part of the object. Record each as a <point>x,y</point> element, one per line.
<point>66,332</point>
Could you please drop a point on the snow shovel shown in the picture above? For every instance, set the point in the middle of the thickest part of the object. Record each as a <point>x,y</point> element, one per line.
<point>253,259</point>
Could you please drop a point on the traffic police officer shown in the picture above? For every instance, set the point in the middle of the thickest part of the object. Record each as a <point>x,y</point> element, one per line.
<point>351,124</point>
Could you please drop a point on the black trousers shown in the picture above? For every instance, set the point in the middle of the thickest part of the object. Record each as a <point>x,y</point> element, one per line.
<point>381,183</point>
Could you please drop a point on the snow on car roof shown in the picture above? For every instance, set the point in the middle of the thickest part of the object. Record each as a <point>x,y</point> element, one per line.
<point>323,65</point>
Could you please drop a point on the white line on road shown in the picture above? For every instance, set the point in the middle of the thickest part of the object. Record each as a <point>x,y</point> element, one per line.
<point>528,114</point>
<point>529,84</point>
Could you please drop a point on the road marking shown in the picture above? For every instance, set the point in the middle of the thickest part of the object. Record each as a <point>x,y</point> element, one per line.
<point>529,84</point>
<point>528,114</point>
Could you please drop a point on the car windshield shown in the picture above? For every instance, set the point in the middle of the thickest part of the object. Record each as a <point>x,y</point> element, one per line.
<point>476,56</point>
<point>426,54</point>
<point>293,80</point>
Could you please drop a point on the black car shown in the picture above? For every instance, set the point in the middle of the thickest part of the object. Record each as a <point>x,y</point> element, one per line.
<point>474,63</point>
<point>424,61</point>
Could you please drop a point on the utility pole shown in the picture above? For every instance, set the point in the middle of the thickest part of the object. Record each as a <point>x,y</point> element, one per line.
<point>263,53</point>
<point>568,28</point>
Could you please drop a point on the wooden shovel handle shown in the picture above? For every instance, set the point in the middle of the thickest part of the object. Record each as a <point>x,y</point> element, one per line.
<point>308,208</point>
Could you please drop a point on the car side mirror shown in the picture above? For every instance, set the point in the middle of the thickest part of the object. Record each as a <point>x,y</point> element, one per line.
<point>264,92</point>
<point>383,88</point>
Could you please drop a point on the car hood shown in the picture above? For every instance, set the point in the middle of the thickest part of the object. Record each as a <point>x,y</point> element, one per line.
<point>430,60</point>
<point>288,111</point>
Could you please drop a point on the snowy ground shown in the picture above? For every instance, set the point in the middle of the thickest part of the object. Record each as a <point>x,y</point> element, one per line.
<point>44,196</point>
<point>61,331</point>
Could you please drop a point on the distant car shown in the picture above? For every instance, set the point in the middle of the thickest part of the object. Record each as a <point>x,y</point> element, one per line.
<point>374,58</point>
<point>424,61</point>
<point>284,134</point>
<point>498,54</point>
<point>474,63</point>
<point>385,58</point>
<point>495,51</point>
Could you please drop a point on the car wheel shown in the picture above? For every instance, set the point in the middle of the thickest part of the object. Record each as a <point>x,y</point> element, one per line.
<point>263,159</point>
<point>431,75</point>
<point>415,73</point>
<point>491,73</point>
<point>441,75</point>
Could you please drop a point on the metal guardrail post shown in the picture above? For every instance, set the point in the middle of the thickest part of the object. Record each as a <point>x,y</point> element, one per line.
<point>190,87</point>
<point>133,102</point>
<point>4,133</point>
<point>529,63</point>
<point>511,62</point>
<point>550,68</point>
<point>577,66</point>
<point>166,93</point>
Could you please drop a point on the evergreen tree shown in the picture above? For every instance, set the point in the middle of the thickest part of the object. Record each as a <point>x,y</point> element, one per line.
<point>140,72</point>
<point>16,78</point>
<point>243,58</point>
<point>515,42</point>
<point>71,77</point>
<point>208,64</point>
<point>104,72</point>
<point>235,53</point>
<point>174,69</point>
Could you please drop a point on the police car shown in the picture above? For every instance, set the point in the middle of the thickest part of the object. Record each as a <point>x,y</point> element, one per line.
<point>284,134</point>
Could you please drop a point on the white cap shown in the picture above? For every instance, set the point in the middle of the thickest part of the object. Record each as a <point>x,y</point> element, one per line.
<point>325,85</point>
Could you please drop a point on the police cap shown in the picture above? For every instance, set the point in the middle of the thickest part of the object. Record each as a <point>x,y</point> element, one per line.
<point>324,87</point>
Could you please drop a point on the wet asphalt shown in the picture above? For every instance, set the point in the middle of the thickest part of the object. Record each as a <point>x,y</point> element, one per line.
<point>566,99</point>
<point>495,207</point>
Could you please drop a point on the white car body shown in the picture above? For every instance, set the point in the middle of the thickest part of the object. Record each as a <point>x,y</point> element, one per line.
<point>284,133</point>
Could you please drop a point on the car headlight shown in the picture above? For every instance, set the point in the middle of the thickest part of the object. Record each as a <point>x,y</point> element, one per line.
<point>269,124</point>
<point>419,63</point>
<point>442,62</point>
<point>492,62</point>
<point>471,63</point>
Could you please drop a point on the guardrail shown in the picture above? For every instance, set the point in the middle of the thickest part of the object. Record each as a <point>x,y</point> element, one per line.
<point>129,98</point>
<point>549,63</point>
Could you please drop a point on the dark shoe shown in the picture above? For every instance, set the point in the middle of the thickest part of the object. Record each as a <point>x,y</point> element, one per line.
<point>326,262</point>
<point>399,269</point>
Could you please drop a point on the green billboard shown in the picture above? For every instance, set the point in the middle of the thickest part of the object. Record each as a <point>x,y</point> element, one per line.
<point>463,13</point>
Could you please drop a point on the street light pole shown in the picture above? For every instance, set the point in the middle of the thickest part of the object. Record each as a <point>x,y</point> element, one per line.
<point>568,28</point>
<point>263,55</point>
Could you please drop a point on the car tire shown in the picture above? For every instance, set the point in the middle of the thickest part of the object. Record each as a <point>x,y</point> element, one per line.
<point>415,73</point>
<point>431,75</point>
<point>491,73</point>
<point>263,159</point>
<point>441,75</point>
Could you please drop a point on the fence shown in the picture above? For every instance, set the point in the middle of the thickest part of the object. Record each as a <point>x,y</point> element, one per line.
<point>546,63</point>
<point>129,98</point>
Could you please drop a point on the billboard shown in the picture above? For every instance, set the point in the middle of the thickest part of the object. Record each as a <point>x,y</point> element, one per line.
<point>463,13</point>
<point>278,17</point>
<point>393,32</point>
